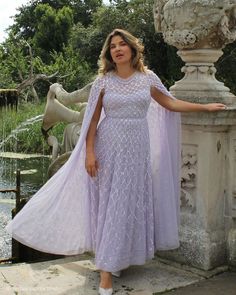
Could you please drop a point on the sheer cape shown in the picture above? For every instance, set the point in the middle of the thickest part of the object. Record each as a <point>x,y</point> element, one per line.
<point>56,219</point>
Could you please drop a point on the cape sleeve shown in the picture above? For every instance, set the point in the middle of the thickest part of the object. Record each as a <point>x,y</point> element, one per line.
<point>165,145</point>
<point>155,81</point>
<point>97,86</point>
<point>55,219</point>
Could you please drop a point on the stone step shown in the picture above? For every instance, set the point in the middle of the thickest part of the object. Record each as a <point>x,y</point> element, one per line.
<point>77,275</point>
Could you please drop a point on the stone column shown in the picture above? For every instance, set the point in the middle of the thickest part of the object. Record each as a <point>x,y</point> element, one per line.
<point>200,29</point>
<point>199,79</point>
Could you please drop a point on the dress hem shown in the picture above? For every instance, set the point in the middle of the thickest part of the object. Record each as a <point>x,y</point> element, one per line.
<point>124,266</point>
<point>71,253</point>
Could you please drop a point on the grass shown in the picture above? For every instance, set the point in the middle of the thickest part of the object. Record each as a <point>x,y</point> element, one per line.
<point>26,141</point>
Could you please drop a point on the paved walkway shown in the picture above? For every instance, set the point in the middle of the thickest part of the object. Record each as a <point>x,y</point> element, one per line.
<point>223,284</point>
<point>77,275</point>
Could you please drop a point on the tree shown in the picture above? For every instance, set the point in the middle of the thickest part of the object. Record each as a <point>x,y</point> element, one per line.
<point>14,64</point>
<point>136,17</point>
<point>67,36</point>
<point>20,69</point>
<point>226,67</point>
<point>73,71</point>
<point>53,29</point>
<point>25,21</point>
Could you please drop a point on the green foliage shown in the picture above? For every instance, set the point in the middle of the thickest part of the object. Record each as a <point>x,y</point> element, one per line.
<point>25,21</point>
<point>67,36</point>
<point>84,9</point>
<point>13,63</point>
<point>46,26</point>
<point>226,67</point>
<point>69,64</point>
<point>30,139</point>
<point>88,43</point>
<point>136,17</point>
<point>52,30</point>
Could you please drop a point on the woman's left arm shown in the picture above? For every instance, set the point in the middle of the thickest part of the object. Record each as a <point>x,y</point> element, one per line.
<point>177,105</point>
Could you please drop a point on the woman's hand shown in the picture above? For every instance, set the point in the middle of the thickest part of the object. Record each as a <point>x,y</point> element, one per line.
<point>212,107</point>
<point>91,164</point>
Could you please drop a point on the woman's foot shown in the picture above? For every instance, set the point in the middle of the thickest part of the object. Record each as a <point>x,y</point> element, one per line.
<point>106,280</point>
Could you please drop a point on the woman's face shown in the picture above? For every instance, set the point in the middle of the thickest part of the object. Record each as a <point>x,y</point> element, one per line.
<point>120,51</point>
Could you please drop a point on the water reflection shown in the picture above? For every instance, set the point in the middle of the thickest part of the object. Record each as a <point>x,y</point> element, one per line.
<point>33,177</point>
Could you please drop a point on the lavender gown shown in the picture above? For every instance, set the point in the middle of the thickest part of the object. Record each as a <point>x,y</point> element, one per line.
<point>122,199</point>
<point>131,208</point>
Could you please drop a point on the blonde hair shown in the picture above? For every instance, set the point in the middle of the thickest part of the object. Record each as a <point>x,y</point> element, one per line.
<point>106,63</point>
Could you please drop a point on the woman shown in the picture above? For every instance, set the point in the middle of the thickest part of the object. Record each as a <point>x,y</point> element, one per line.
<point>118,194</point>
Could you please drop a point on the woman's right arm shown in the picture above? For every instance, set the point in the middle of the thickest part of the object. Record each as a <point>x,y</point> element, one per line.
<point>91,163</point>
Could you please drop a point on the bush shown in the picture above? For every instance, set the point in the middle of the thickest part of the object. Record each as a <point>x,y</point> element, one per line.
<point>23,133</point>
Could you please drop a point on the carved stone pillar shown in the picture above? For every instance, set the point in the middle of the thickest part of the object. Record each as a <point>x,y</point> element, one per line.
<point>199,79</point>
<point>200,29</point>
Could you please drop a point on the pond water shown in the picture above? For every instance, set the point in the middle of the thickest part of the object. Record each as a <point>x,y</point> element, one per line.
<point>33,176</point>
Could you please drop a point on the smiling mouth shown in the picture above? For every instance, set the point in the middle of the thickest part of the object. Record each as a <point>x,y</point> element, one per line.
<point>119,55</point>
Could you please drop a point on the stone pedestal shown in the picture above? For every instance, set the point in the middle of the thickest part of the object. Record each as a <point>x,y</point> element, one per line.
<point>200,29</point>
<point>199,79</point>
<point>208,198</point>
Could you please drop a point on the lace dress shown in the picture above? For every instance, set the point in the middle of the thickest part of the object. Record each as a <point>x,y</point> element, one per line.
<point>122,200</point>
<point>131,209</point>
